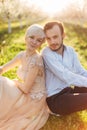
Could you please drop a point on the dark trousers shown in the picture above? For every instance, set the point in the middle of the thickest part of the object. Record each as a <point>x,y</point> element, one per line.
<point>69,100</point>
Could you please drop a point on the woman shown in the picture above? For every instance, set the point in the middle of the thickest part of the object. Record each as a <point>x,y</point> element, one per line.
<point>22,102</point>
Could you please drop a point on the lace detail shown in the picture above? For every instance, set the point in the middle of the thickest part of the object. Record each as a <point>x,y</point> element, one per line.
<point>36,61</point>
<point>28,63</point>
<point>37,95</point>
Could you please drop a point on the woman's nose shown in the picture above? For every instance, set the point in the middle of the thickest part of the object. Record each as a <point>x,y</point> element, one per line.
<point>34,41</point>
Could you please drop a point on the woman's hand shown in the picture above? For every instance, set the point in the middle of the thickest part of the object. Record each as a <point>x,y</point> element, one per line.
<point>19,85</point>
<point>1,70</point>
<point>17,82</point>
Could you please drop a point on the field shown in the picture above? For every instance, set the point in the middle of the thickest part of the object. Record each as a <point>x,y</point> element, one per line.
<point>76,36</point>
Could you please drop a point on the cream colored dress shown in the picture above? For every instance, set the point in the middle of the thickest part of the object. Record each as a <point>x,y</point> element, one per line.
<point>19,111</point>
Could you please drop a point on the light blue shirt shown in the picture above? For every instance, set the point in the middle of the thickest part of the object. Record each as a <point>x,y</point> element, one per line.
<point>63,71</point>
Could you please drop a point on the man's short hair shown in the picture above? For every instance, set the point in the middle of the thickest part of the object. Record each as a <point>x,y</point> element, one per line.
<point>50,25</point>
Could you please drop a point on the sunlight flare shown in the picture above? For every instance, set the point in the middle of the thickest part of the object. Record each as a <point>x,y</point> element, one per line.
<point>50,6</point>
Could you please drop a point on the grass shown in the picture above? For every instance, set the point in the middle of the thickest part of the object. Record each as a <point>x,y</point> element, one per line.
<point>76,36</point>
<point>75,121</point>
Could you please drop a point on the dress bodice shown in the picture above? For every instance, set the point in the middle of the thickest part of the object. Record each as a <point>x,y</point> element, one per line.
<point>28,62</point>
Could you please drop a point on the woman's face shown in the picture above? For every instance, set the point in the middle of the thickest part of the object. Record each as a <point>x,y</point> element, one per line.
<point>33,42</point>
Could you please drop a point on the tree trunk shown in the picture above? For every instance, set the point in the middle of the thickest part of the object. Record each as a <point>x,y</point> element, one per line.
<point>9,26</point>
<point>21,26</point>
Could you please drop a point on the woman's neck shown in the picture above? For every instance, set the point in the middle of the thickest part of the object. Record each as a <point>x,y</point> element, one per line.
<point>30,53</point>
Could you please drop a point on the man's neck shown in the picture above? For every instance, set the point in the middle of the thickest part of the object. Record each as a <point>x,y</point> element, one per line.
<point>60,50</point>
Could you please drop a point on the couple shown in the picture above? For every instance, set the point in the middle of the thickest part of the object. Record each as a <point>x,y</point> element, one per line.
<point>23,102</point>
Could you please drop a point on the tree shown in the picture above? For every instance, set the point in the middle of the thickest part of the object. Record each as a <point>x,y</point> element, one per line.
<point>6,12</point>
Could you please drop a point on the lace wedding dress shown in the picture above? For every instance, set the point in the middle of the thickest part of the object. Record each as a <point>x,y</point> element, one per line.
<point>19,111</point>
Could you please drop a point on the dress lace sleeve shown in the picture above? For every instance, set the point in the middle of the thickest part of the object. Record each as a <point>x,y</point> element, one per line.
<point>36,61</point>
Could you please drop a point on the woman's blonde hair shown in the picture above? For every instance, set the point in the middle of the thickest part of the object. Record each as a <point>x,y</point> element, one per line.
<point>35,29</point>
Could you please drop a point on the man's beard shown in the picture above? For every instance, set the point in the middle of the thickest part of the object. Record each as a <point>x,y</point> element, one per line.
<point>59,47</point>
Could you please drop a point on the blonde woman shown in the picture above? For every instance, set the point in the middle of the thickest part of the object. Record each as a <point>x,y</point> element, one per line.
<point>22,102</point>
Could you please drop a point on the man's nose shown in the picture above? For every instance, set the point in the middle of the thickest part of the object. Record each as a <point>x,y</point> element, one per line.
<point>52,41</point>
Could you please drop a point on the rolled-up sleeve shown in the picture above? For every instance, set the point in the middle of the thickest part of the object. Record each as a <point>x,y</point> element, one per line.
<point>61,72</point>
<point>77,65</point>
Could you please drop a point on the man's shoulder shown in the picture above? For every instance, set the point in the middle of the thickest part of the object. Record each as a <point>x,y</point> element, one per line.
<point>69,48</point>
<point>45,50</point>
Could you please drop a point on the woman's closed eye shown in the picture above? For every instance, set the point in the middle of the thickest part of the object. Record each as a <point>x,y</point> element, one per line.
<point>40,40</point>
<point>32,37</point>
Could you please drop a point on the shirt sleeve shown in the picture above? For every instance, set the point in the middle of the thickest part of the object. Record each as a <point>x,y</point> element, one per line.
<point>61,72</point>
<point>77,65</point>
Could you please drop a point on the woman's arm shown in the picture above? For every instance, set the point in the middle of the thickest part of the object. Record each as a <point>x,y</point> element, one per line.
<point>11,64</point>
<point>30,79</point>
<point>31,76</point>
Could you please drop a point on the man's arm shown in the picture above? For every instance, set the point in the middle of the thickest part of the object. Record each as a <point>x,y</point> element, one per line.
<point>62,73</point>
<point>78,67</point>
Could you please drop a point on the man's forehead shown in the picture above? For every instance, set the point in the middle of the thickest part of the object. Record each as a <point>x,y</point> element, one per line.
<point>54,30</point>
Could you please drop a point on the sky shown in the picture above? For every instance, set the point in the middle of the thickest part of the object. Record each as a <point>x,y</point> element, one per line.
<point>51,6</point>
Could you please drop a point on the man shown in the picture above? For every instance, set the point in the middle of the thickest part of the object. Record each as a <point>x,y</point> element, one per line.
<point>66,79</point>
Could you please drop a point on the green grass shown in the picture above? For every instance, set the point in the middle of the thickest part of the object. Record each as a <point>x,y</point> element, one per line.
<point>76,36</point>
